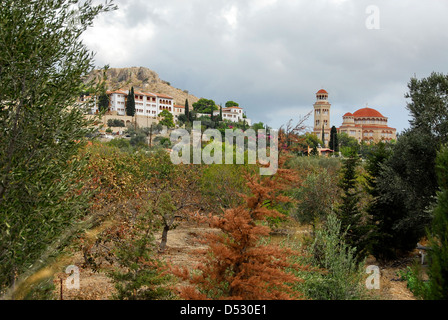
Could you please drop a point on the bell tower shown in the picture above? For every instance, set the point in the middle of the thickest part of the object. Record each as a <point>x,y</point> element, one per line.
<point>322,117</point>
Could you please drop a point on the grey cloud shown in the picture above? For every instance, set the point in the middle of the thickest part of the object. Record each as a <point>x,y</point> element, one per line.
<point>279,56</point>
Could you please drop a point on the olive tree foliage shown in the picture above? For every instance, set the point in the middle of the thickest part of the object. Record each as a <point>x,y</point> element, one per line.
<point>43,63</point>
<point>316,198</point>
<point>428,105</point>
<point>406,184</point>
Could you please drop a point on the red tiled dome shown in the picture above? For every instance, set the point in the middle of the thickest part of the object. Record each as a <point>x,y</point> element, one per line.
<point>367,112</point>
<point>348,114</point>
<point>322,91</point>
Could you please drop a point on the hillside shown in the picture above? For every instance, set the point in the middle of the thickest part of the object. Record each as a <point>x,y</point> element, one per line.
<point>142,79</point>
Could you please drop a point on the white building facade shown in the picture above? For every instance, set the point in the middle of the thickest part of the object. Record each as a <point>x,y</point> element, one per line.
<point>146,103</point>
<point>234,114</point>
<point>152,104</point>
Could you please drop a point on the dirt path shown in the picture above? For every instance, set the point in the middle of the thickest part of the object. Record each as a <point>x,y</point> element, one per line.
<point>181,250</point>
<point>391,286</point>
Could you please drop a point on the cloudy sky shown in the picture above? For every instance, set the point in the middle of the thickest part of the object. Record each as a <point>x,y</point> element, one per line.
<point>272,56</point>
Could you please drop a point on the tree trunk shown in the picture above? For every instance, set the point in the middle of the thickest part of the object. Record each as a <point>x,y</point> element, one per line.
<point>162,246</point>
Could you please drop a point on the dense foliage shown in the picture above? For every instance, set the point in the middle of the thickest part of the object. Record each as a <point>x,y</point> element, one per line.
<point>116,203</point>
<point>42,65</point>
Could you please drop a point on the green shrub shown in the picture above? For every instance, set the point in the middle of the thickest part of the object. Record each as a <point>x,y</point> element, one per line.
<point>120,143</point>
<point>315,164</point>
<point>342,276</point>
<point>315,198</point>
<point>140,274</point>
<point>413,277</point>
<point>225,194</point>
<point>115,123</point>
<point>165,142</point>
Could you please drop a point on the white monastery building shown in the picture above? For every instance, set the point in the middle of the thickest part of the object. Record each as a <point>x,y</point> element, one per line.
<point>151,104</point>
<point>146,103</point>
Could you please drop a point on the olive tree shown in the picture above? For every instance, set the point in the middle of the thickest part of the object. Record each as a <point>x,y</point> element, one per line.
<point>43,65</point>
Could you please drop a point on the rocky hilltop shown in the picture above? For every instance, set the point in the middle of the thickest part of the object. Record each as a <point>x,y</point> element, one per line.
<point>142,79</point>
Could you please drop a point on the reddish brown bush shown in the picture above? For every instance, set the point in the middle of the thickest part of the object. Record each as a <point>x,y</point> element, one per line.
<point>237,264</point>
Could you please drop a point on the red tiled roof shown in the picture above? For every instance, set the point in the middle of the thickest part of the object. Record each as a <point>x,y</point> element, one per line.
<point>322,91</point>
<point>377,127</point>
<point>348,114</point>
<point>351,126</point>
<point>367,112</point>
<point>163,96</point>
<point>234,107</point>
<point>117,91</point>
<point>140,93</point>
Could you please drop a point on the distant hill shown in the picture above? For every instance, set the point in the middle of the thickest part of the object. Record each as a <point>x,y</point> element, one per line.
<point>142,79</point>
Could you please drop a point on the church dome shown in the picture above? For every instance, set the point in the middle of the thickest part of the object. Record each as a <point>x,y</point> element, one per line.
<point>322,91</point>
<point>367,113</point>
<point>348,114</point>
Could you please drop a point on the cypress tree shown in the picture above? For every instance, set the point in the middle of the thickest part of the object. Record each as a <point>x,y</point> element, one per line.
<point>323,136</point>
<point>348,212</point>
<point>103,102</point>
<point>437,285</point>
<point>381,238</point>
<point>130,103</point>
<point>187,110</point>
<point>334,143</point>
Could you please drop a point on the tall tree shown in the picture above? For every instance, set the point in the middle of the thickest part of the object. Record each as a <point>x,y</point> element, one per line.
<point>379,239</point>
<point>130,103</point>
<point>334,143</point>
<point>323,136</point>
<point>238,265</point>
<point>42,65</point>
<point>407,183</point>
<point>103,99</point>
<point>187,111</point>
<point>437,285</point>
<point>429,105</point>
<point>211,114</point>
<point>406,187</point>
<point>349,212</point>
<point>103,102</point>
